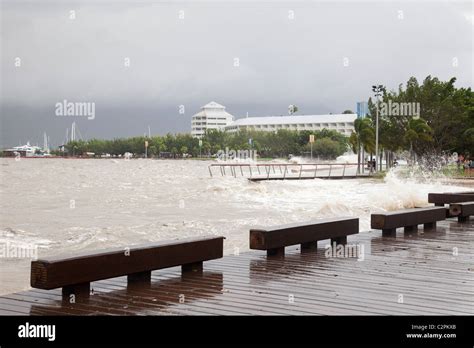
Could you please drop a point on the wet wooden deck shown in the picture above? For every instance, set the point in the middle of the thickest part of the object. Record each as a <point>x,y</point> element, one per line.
<point>420,267</point>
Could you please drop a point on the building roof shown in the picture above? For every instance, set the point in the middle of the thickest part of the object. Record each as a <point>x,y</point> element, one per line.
<point>213,109</point>
<point>274,120</point>
<point>213,105</point>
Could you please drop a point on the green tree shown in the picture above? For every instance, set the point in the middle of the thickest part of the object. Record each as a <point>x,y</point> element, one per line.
<point>418,135</point>
<point>448,111</point>
<point>292,109</point>
<point>327,148</point>
<point>363,138</point>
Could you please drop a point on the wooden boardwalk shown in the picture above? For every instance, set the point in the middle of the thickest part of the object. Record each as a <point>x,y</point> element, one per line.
<point>421,267</point>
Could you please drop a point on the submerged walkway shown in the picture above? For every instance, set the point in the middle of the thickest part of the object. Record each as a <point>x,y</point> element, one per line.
<point>288,171</point>
<point>428,273</point>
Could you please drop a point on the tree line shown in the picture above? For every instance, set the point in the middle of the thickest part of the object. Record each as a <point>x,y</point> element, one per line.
<point>328,144</point>
<point>444,124</point>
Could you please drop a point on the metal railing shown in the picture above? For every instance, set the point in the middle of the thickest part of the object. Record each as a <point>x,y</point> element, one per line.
<point>282,171</point>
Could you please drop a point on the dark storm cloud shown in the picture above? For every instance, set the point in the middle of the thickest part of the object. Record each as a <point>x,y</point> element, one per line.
<point>190,61</point>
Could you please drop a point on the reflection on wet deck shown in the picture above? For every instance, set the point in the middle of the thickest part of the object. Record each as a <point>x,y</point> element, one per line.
<point>428,273</point>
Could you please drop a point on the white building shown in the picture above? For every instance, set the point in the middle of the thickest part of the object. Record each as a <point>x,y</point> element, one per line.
<point>343,123</point>
<point>211,116</point>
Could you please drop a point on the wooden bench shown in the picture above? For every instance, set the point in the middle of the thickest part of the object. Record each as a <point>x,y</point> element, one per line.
<point>275,239</point>
<point>407,218</point>
<point>461,210</point>
<point>440,199</point>
<point>74,273</point>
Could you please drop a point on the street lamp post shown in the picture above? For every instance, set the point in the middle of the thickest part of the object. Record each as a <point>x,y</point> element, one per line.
<point>377,92</point>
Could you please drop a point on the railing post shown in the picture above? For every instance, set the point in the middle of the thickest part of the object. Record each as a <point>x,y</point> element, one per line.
<point>210,171</point>
<point>241,171</point>
<point>344,170</point>
<point>330,168</point>
<point>301,170</point>
<point>268,174</point>
<point>284,173</point>
<point>315,169</point>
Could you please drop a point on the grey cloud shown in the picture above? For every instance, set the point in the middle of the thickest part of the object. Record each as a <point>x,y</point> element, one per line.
<point>190,61</point>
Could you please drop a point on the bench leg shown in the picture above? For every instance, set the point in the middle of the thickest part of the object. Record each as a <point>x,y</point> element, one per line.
<point>309,246</point>
<point>408,229</point>
<point>389,232</point>
<point>429,226</point>
<point>141,277</point>
<point>192,267</point>
<point>462,218</point>
<point>276,252</point>
<point>82,290</point>
<point>339,240</point>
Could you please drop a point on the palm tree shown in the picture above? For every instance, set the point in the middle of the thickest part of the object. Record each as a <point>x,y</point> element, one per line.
<point>363,138</point>
<point>417,133</point>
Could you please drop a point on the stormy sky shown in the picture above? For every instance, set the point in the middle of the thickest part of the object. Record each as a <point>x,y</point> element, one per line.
<point>251,56</point>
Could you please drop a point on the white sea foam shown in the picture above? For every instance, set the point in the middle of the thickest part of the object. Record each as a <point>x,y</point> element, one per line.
<point>347,158</point>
